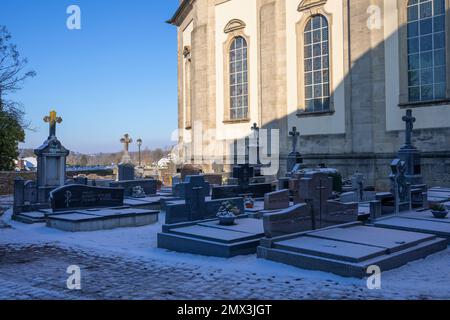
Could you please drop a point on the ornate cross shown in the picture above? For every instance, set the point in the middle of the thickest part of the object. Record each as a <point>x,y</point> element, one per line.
<point>409,120</point>
<point>52,120</point>
<point>126,140</point>
<point>294,134</point>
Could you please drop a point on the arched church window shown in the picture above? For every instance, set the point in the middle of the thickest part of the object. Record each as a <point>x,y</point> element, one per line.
<point>426,50</point>
<point>317,64</point>
<point>238,79</point>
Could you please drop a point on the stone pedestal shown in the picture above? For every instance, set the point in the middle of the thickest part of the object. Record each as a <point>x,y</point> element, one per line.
<point>51,167</point>
<point>126,172</point>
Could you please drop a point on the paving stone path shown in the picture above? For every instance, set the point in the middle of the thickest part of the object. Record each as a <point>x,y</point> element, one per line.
<point>39,272</point>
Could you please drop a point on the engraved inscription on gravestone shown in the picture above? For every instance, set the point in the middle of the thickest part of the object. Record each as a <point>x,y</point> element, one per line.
<point>81,196</point>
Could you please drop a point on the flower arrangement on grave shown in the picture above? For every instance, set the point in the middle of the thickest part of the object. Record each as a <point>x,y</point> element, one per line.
<point>227,213</point>
<point>138,192</point>
<point>439,210</point>
<point>249,202</point>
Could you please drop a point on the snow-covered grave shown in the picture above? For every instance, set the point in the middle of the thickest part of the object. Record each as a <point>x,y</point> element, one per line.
<point>349,250</point>
<point>423,222</point>
<point>438,194</point>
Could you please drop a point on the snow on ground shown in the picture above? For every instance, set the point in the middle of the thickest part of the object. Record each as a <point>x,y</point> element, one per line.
<point>424,279</point>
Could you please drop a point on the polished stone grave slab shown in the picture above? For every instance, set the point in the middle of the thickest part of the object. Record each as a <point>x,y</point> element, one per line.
<point>101,219</point>
<point>210,238</point>
<point>348,250</point>
<point>423,222</point>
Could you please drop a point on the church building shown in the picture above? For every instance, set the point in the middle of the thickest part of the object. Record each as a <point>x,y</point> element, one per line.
<point>343,72</point>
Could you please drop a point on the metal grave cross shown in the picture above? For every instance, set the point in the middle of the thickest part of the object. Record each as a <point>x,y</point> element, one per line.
<point>52,120</point>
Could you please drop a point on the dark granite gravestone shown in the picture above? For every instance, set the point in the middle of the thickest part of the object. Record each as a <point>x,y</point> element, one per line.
<point>196,207</point>
<point>81,196</point>
<point>243,174</point>
<point>410,154</point>
<point>126,172</point>
<point>287,221</point>
<point>276,200</point>
<point>179,189</point>
<point>149,186</point>
<point>316,189</point>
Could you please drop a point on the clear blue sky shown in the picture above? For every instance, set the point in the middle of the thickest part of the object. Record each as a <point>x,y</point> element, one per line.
<point>116,75</point>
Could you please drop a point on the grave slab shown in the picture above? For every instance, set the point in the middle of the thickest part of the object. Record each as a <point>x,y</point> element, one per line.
<point>436,227</point>
<point>391,240</point>
<point>331,249</point>
<point>104,219</point>
<point>350,249</point>
<point>211,239</point>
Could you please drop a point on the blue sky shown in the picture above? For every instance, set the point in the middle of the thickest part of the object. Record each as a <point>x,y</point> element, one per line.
<point>116,75</point>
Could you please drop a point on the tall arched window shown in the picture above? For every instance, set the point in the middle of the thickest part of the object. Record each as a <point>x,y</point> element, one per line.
<point>317,65</point>
<point>238,79</point>
<point>426,50</point>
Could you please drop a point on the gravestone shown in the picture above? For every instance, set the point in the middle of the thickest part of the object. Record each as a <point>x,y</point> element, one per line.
<point>276,200</point>
<point>195,206</point>
<point>315,188</point>
<point>410,154</point>
<point>180,189</point>
<point>51,161</point>
<point>294,158</point>
<point>81,197</point>
<point>126,172</point>
<point>291,220</point>
<point>243,174</point>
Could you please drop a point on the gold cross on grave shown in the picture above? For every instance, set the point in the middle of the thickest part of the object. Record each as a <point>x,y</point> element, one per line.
<point>52,120</point>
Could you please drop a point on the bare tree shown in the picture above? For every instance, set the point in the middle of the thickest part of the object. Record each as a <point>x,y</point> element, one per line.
<point>12,75</point>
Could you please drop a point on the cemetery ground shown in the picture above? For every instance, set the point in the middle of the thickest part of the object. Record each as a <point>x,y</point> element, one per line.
<point>125,264</point>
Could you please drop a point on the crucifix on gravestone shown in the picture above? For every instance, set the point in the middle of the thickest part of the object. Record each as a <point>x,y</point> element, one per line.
<point>126,140</point>
<point>409,120</point>
<point>52,120</point>
<point>294,134</point>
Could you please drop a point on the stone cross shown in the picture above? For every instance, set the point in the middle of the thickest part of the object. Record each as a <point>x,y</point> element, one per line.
<point>126,140</point>
<point>409,120</point>
<point>294,134</point>
<point>52,120</point>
